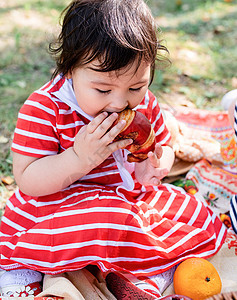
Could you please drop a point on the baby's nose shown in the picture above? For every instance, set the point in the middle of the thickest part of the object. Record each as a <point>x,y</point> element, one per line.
<point>120,105</point>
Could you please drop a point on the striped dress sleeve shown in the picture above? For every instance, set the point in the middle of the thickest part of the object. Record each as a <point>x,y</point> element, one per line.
<point>36,133</point>
<point>151,109</point>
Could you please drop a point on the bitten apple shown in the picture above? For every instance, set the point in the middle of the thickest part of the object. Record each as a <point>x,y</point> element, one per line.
<point>139,129</point>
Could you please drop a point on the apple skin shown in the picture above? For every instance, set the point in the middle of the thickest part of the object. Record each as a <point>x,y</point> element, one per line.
<point>139,129</point>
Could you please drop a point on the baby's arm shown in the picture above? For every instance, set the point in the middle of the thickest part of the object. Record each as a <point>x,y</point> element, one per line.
<point>156,166</point>
<point>92,145</point>
<point>47,175</point>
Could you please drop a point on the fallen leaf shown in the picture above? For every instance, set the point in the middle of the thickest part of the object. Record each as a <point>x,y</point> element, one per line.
<point>3,139</point>
<point>219,29</point>
<point>7,180</point>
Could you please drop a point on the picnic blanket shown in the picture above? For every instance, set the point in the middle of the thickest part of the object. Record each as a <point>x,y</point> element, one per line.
<point>212,183</point>
<point>216,182</point>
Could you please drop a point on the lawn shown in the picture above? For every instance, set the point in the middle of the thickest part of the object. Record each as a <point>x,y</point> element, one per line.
<point>201,37</point>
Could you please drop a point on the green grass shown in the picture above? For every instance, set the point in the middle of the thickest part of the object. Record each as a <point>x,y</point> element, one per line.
<point>200,35</point>
<point>25,63</point>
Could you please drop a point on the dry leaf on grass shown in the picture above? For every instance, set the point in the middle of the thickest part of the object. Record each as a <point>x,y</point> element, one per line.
<point>7,180</point>
<point>3,139</point>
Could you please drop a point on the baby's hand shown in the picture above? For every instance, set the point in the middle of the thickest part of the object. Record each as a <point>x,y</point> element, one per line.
<point>149,172</point>
<point>94,142</point>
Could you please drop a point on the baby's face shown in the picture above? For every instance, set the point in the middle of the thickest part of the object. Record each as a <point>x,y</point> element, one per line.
<point>109,91</point>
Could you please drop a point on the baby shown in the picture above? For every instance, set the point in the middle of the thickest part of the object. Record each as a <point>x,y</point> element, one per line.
<point>79,201</point>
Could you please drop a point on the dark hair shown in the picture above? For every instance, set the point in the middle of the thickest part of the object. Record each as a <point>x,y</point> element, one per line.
<point>116,32</point>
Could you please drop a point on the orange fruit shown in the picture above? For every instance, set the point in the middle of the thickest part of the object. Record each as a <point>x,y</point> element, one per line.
<point>197,278</point>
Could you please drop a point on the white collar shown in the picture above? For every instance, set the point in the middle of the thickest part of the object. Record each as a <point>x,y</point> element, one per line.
<point>67,95</point>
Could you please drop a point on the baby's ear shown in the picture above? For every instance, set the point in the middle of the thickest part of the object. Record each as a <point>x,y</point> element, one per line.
<point>68,75</point>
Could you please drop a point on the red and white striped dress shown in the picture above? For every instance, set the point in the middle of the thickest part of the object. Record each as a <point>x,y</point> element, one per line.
<point>144,231</point>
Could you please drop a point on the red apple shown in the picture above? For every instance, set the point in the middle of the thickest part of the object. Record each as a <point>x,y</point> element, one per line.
<point>139,129</point>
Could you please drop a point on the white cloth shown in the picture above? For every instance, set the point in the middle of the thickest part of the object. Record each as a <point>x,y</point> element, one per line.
<point>19,277</point>
<point>228,98</point>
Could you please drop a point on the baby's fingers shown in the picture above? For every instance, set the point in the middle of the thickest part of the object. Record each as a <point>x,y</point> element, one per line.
<point>106,130</point>
<point>158,150</point>
<point>155,162</point>
<point>156,180</point>
<point>92,126</point>
<point>163,172</point>
<point>120,144</point>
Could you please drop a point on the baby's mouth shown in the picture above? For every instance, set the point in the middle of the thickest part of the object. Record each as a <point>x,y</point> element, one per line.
<point>117,110</point>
